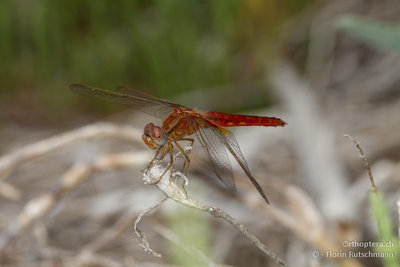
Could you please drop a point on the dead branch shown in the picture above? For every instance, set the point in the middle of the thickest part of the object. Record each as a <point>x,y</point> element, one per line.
<point>141,238</point>
<point>169,185</point>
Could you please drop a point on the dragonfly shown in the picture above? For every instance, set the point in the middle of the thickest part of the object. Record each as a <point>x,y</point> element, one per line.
<point>180,122</point>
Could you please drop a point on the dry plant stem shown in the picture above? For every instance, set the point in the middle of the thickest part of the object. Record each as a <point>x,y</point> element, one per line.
<point>76,175</point>
<point>141,238</point>
<point>218,213</point>
<point>9,161</point>
<point>362,155</point>
<point>169,185</point>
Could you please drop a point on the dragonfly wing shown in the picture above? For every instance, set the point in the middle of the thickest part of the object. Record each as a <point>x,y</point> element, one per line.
<point>142,101</point>
<point>220,139</point>
<point>216,152</point>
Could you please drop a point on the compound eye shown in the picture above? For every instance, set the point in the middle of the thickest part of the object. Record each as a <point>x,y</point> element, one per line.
<point>148,128</point>
<point>149,141</point>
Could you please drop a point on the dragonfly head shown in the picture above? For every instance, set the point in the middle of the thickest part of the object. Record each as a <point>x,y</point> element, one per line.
<point>153,136</point>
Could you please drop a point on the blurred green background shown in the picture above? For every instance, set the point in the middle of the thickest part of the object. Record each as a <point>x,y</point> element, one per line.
<point>162,47</point>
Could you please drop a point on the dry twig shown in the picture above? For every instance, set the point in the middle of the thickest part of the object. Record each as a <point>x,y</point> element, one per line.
<point>141,238</point>
<point>362,155</point>
<point>169,186</point>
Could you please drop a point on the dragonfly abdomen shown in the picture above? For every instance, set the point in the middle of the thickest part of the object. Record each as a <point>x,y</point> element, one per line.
<point>228,120</point>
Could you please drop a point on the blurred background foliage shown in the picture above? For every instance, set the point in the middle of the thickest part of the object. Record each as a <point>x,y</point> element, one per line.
<point>162,47</point>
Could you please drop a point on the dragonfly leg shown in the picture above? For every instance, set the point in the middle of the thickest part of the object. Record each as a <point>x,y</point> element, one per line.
<point>184,153</point>
<point>155,157</point>
<point>191,140</point>
<point>167,149</point>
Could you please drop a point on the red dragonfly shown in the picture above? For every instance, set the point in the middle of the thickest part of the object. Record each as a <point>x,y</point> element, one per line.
<point>180,122</point>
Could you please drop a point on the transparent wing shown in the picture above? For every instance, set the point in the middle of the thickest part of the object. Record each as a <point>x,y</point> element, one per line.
<point>126,96</point>
<point>218,156</point>
<point>216,140</point>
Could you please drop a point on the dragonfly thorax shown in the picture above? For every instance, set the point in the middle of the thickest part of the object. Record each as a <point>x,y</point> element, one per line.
<point>154,136</point>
